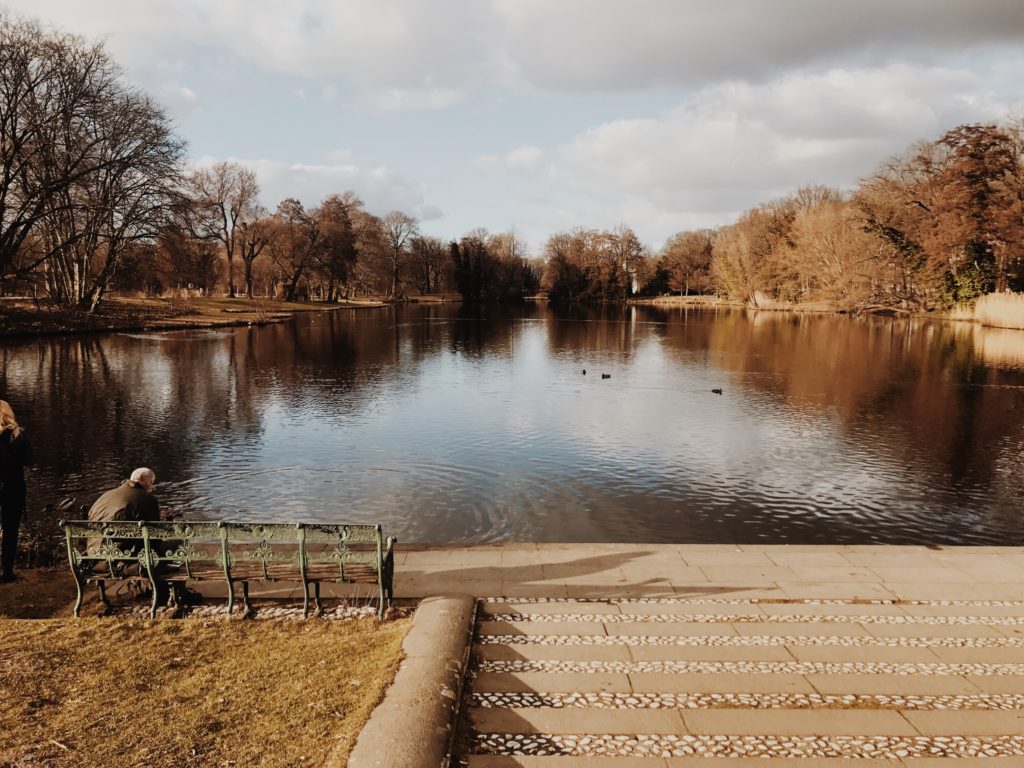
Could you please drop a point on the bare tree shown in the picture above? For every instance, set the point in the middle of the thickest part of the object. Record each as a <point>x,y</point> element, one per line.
<point>184,261</point>
<point>294,244</point>
<point>337,252</point>
<point>255,233</point>
<point>87,164</point>
<point>399,230</point>
<point>428,258</point>
<point>225,196</point>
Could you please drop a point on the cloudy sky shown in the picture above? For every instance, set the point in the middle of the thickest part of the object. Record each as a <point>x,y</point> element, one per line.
<point>542,115</point>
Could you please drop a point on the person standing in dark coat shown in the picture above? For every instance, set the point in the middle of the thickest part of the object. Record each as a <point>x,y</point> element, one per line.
<point>15,455</point>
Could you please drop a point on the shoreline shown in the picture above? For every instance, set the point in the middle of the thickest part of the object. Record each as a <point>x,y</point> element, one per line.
<point>819,307</point>
<point>954,315</point>
<point>21,319</point>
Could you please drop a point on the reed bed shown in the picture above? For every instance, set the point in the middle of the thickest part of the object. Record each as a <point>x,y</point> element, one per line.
<point>1001,310</point>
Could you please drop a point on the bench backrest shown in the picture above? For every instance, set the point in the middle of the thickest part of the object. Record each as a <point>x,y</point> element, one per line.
<point>343,545</point>
<point>184,544</point>
<point>114,543</point>
<point>278,546</point>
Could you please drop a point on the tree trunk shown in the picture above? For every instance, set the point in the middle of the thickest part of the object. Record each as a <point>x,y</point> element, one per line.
<point>248,278</point>
<point>293,286</point>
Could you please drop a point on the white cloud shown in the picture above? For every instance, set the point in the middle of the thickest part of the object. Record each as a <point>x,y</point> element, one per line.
<point>180,100</point>
<point>609,44</point>
<point>379,187</point>
<point>734,145</point>
<point>395,99</point>
<point>524,158</point>
<point>401,54</point>
<point>398,54</point>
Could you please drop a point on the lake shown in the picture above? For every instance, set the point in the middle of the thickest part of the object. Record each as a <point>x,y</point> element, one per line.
<point>449,425</point>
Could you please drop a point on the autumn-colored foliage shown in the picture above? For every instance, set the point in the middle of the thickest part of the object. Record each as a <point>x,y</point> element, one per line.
<point>940,225</point>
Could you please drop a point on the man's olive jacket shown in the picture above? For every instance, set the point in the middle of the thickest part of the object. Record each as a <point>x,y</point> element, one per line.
<point>129,501</point>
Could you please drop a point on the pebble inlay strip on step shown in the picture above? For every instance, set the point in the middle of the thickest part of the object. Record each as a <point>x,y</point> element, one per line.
<point>751,667</point>
<point>883,747</point>
<point>851,641</point>
<point>606,700</point>
<point>749,600</point>
<point>754,618</point>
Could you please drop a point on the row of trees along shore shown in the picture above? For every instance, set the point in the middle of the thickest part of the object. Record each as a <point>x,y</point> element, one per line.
<point>96,196</point>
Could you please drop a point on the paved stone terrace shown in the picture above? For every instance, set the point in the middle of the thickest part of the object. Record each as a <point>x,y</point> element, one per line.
<point>656,656</point>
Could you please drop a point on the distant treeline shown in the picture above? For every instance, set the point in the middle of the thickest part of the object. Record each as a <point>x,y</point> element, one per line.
<point>941,224</point>
<point>95,196</point>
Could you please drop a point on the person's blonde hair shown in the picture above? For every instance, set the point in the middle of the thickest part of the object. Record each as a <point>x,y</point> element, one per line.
<point>7,420</point>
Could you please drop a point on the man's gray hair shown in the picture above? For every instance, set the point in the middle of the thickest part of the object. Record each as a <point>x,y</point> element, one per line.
<point>143,476</point>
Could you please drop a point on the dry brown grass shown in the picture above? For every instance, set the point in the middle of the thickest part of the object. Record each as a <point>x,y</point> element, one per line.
<point>107,692</point>
<point>1001,310</point>
<point>39,593</point>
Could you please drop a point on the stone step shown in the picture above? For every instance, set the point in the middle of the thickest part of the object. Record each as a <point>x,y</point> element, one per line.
<point>623,652</point>
<point>535,761</point>
<point>528,761</point>
<point>653,682</point>
<point>808,747</point>
<point>670,683</point>
<point>747,629</point>
<point>735,722</point>
<point>867,652</point>
<point>528,682</point>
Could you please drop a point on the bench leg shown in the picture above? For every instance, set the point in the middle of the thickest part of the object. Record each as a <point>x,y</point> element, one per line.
<point>103,595</point>
<point>231,596</point>
<point>79,597</point>
<point>316,593</point>
<point>245,598</point>
<point>174,601</point>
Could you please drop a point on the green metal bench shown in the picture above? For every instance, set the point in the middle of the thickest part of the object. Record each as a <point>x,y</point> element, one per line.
<point>180,551</point>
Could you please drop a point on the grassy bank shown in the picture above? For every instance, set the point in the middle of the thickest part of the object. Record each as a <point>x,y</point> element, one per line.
<point>189,693</point>
<point>39,593</point>
<point>23,318</point>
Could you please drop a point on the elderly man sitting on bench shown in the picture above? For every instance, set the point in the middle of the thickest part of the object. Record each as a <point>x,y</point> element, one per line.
<point>131,500</point>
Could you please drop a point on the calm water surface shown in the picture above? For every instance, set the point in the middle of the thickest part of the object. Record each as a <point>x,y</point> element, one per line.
<point>450,426</point>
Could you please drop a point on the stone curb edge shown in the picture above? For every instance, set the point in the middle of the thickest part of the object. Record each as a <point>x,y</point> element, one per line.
<point>414,726</point>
